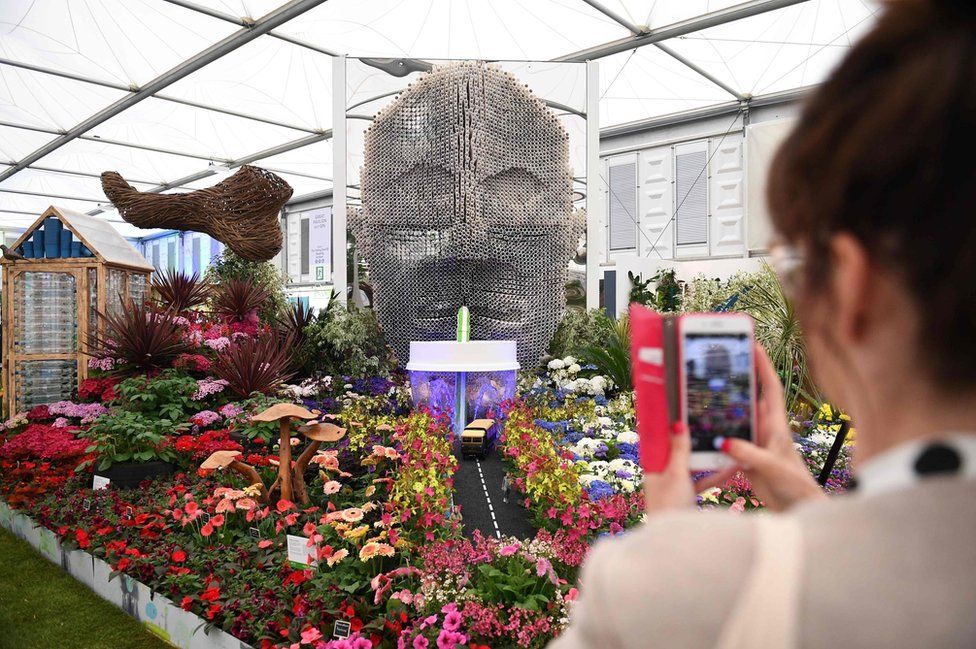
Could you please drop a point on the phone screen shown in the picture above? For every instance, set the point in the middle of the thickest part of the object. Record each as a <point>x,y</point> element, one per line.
<point>718,374</point>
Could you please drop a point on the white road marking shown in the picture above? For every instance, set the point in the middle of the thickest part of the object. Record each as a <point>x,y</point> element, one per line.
<point>491,510</point>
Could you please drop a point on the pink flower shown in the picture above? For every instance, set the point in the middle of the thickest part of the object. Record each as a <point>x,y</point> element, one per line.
<point>452,621</point>
<point>739,505</point>
<point>571,595</point>
<point>310,635</point>
<point>508,550</point>
<point>420,642</point>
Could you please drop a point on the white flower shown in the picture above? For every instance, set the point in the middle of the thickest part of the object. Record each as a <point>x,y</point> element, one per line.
<point>556,364</point>
<point>574,368</point>
<point>627,437</point>
<point>586,478</point>
<point>570,360</point>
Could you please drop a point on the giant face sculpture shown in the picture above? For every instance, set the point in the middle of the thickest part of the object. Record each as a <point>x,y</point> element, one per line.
<point>466,191</point>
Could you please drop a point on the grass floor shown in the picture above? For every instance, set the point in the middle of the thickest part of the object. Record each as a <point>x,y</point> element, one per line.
<point>41,607</point>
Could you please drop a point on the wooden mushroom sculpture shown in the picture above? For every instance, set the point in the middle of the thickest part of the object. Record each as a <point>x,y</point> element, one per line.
<point>316,434</point>
<point>284,413</point>
<point>228,460</point>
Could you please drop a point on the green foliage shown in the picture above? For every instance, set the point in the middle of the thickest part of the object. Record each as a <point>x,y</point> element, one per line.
<point>168,395</point>
<point>578,330</point>
<point>126,436</point>
<point>778,330</point>
<point>512,582</point>
<point>264,274</point>
<point>666,295</point>
<point>611,355</point>
<point>777,327</point>
<point>341,342</point>
<point>640,290</point>
<point>144,413</point>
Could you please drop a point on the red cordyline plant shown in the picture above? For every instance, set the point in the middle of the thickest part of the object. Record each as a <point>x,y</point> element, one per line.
<point>294,321</point>
<point>255,364</point>
<point>138,340</point>
<point>178,292</point>
<point>238,300</point>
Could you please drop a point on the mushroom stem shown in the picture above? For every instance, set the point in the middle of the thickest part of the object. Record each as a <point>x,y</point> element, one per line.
<point>250,473</point>
<point>301,493</point>
<point>284,455</point>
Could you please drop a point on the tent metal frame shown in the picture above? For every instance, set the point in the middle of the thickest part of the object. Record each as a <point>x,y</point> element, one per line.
<point>640,36</point>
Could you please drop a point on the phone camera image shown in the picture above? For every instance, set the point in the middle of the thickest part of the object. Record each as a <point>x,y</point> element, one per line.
<point>718,370</point>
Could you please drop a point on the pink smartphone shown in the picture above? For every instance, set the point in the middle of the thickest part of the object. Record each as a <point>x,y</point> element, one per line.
<point>717,384</point>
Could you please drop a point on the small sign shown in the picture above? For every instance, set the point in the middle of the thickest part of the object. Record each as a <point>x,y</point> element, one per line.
<point>299,553</point>
<point>319,273</point>
<point>342,630</point>
<point>254,533</point>
<point>128,511</point>
<point>86,504</point>
<point>100,482</point>
<point>204,518</point>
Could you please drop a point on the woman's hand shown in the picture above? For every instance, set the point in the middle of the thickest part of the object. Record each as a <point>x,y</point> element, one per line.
<point>671,488</point>
<point>778,475</point>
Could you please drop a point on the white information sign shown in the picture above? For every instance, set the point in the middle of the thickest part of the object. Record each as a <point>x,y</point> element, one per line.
<point>320,243</point>
<point>299,552</point>
<point>100,482</point>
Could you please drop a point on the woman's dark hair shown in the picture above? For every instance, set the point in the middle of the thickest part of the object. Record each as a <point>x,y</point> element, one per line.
<point>885,150</point>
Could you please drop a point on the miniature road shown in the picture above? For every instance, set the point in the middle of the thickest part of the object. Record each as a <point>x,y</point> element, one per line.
<point>478,490</point>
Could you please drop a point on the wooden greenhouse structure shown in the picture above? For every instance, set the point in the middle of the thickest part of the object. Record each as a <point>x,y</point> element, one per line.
<point>75,266</point>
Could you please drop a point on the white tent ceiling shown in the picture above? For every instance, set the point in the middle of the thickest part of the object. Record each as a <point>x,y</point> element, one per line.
<point>199,86</point>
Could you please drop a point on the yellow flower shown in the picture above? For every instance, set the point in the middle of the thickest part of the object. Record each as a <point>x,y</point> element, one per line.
<point>253,490</point>
<point>370,490</point>
<point>356,532</point>
<point>711,495</point>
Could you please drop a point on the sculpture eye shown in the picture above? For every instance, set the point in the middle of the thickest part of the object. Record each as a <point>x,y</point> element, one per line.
<point>513,188</point>
<point>423,197</point>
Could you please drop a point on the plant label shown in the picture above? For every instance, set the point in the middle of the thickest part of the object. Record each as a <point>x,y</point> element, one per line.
<point>86,504</point>
<point>204,518</point>
<point>128,511</point>
<point>299,552</point>
<point>100,482</point>
<point>254,533</point>
<point>342,630</point>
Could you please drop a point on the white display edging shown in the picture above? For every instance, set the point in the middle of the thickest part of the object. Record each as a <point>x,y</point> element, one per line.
<point>469,356</point>
<point>159,615</point>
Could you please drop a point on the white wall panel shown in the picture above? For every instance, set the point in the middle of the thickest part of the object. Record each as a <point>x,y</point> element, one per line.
<point>726,186</point>
<point>655,203</point>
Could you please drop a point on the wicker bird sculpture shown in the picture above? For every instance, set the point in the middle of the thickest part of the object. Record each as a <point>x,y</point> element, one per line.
<point>240,212</point>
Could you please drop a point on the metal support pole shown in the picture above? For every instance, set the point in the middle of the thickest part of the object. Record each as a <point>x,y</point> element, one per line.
<point>617,18</point>
<point>595,199</point>
<point>845,427</point>
<point>339,177</point>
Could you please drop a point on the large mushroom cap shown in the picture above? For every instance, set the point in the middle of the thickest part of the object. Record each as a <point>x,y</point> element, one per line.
<point>324,432</point>
<point>284,411</point>
<point>220,459</point>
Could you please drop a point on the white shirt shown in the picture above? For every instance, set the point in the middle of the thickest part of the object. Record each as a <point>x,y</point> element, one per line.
<point>895,469</point>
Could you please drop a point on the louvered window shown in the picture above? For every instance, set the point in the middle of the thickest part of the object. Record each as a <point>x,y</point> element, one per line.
<point>691,197</point>
<point>623,206</point>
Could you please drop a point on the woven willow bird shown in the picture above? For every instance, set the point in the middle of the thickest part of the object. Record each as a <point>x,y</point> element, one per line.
<point>241,211</point>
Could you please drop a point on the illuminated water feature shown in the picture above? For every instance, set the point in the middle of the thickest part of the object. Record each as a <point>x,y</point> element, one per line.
<point>465,380</point>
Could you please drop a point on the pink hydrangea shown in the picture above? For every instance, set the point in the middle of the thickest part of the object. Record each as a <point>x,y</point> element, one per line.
<point>208,386</point>
<point>218,344</point>
<point>230,410</point>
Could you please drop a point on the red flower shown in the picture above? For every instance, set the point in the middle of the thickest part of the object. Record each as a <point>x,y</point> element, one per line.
<point>178,556</point>
<point>186,603</point>
<point>296,577</point>
<point>207,530</point>
<point>82,537</point>
<point>212,594</point>
<point>284,505</point>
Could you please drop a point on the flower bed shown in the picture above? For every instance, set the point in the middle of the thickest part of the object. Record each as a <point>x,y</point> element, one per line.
<point>388,565</point>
